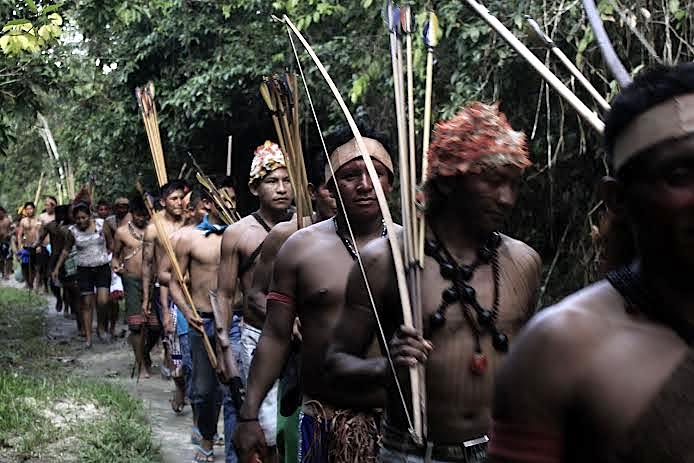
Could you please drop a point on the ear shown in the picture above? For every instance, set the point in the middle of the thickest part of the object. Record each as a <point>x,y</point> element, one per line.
<point>612,194</point>
<point>312,191</point>
<point>254,188</point>
<point>162,202</point>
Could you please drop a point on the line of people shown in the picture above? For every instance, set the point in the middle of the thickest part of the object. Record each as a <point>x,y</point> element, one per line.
<point>312,356</point>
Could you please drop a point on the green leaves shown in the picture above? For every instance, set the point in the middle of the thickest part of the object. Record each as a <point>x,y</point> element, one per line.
<point>31,34</point>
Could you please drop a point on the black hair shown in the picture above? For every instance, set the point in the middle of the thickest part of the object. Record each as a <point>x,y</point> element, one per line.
<point>84,207</point>
<point>61,213</point>
<point>197,194</point>
<point>228,182</point>
<point>103,202</point>
<point>170,187</point>
<point>53,198</point>
<point>650,88</point>
<point>2,209</point>
<point>316,169</point>
<point>137,205</point>
<point>30,203</point>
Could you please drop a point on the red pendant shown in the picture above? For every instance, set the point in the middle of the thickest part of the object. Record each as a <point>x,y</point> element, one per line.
<point>478,363</point>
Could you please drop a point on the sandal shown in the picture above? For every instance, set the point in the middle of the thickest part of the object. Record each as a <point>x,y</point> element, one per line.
<point>202,455</point>
<point>218,440</point>
<point>195,436</point>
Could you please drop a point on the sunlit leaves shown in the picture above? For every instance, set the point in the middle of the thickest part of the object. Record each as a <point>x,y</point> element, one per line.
<point>30,35</point>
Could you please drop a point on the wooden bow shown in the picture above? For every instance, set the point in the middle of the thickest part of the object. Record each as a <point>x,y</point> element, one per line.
<point>417,398</point>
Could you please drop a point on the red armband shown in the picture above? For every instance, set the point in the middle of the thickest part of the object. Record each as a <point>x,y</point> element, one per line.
<point>279,297</point>
<point>526,444</point>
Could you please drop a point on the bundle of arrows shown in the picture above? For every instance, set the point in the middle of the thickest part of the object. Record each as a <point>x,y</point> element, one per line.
<point>281,95</point>
<point>145,101</point>
<point>400,24</point>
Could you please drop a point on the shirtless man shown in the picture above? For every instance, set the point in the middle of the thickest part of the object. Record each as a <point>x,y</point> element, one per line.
<point>27,241</point>
<point>478,289</point>
<point>309,281</point>
<point>198,251</point>
<point>5,244</point>
<point>606,375</point>
<point>121,213</point>
<point>42,254</point>
<point>51,232</point>
<point>171,199</point>
<point>325,207</point>
<point>127,263</point>
<point>241,245</point>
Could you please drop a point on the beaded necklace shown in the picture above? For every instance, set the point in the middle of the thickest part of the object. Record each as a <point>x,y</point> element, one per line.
<point>482,321</point>
<point>347,243</point>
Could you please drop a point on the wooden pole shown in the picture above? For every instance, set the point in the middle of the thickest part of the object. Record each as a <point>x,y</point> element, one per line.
<point>229,141</point>
<point>588,115</point>
<point>550,45</point>
<point>37,196</point>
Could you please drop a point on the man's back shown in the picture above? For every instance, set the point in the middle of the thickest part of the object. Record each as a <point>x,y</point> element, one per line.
<point>590,367</point>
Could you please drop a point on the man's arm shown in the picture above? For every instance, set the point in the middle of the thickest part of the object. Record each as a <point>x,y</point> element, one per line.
<point>182,248</point>
<point>20,234</point>
<point>227,277</point>
<point>147,258</point>
<point>117,250</point>
<point>346,365</point>
<point>69,243</point>
<point>262,274</point>
<point>108,236</point>
<point>272,349</point>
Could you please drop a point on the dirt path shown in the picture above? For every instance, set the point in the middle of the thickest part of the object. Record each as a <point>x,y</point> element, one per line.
<point>113,362</point>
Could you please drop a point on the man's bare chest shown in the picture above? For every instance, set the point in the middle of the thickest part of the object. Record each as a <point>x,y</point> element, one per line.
<point>322,275</point>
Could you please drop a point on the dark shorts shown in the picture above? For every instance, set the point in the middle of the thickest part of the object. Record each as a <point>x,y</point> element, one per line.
<point>29,258</point>
<point>42,259</point>
<point>93,277</point>
<point>5,250</point>
<point>132,287</point>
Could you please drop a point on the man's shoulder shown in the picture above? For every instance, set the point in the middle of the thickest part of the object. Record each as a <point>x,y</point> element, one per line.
<point>578,320</point>
<point>518,250</point>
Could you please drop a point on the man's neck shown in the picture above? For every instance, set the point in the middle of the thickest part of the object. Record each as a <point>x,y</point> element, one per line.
<point>173,219</point>
<point>271,216</point>
<point>671,286</point>
<point>369,229</point>
<point>457,235</point>
<point>214,220</point>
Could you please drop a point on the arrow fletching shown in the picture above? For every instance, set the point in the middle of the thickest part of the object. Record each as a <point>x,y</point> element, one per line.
<point>406,19</point>
<point>430,33</point>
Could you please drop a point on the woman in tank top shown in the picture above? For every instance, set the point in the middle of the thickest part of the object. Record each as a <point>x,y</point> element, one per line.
<point>93,243</point>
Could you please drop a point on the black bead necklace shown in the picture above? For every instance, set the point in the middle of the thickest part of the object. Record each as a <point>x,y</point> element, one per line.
<point>348,244</point>
<point>481,320</point>
<point>639,297</point>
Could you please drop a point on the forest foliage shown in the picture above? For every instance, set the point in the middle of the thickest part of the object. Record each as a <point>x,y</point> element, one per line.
<point>208,57</point>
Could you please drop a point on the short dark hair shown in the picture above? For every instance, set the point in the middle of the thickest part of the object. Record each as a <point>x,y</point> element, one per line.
<point>137,205</point>
<point>650,88</point>
<point>316,170</point>
<point>30,203</point>
<point>228,182</point>
<point>197,194</point>
<point>103,202</point>
<point>84,207</point>
<point>2,209</point>
<point>61,213</point>
<point>52,198</point>
<point>170,187</point>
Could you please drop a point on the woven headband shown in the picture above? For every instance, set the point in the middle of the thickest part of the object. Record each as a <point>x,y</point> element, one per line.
<point>670,120</point>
